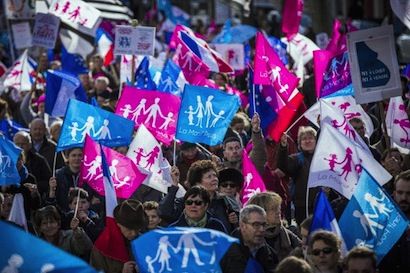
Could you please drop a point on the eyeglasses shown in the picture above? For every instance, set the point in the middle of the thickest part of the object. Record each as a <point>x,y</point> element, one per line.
<point>189,202</point>
<point>258,225</point>
<point>326,251</point>
<point>226,185</point>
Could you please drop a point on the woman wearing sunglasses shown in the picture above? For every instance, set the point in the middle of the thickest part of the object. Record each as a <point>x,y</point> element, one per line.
<point>324,252</point>
<point>195,213</point>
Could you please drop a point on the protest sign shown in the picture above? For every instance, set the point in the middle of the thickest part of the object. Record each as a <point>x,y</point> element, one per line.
<point>134,40</point>
<point>45,30</point>
<point>22,35</point>
<point>233,54</point>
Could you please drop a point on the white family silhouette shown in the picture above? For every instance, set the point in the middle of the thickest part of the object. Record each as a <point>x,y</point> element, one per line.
<point>202,112</point>
<point>88,128</point>
<point>186,243</point>
<point>150,114</point>
<point>247,191</point>
<point>5,162</point>
<point>16,261</point>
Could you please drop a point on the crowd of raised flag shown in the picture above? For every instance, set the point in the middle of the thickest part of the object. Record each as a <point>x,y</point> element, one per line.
<point>242,159</point>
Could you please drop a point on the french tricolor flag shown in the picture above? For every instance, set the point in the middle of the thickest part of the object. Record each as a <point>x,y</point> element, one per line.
<point>202,50</point>
<point>105,46</point>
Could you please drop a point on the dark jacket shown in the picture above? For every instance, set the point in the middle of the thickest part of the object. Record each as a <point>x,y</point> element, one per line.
<point>92,226</point>
<point>47,149</point>
<point>66,179</point>
<point>282,241</point>
<point>397,259</point>
<point>170,208</point>
<point>38,166</point>
<point>184,164</point>
<point>211,223</point>
<point>297,166</point>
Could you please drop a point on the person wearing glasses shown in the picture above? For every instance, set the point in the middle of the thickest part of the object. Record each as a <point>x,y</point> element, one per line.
<point>230,183</point>
<point>324,252</point>
<point>253,252</point>
<point>281,239</point>
<point>195,213</point>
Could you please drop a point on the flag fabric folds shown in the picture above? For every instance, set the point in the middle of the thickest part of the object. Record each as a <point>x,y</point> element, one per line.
<point>103,126</point>
<point>17,214</point>
<point>29,254</point>
<point>340,167</point>
<point>205,114</point>
<point>110,242</point>
<point>9,128</point>
<point>113,10</point>
<point>172,79</point>
<point>253,183</point>
<point>61,87</point>
<point>371,218</point>
<point>105,46</point>
<point>398,124</point>
<point>143,79</point>
<point>291,17</point>
<point>19,75</point>
<point>9,154</point>
<point>171,249</point>
<point>158,111</point>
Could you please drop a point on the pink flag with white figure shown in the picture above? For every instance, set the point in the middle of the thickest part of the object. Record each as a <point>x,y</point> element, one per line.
<point>339,167</point>
<point>253,181</point>
<point>158,111</point>
<point>145,151</point>
<point>269,69</point>
<point>291,17</point>
<point>125,175</point>
<point>20,73</point>
<point>398,124</point>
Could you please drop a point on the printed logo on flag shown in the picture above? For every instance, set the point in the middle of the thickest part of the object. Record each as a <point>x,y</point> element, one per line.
<point>205,114</point>
<point>158,111</point>
<point>398,124</point>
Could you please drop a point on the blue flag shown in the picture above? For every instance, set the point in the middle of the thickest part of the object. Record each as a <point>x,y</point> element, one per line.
<point>171,74</point>
<point>9,154</point>
<point>105,127</point>
<point>73,63</point>
<point>266,113</point>
<point>181,249</point>
<point>9,128</point>
<point>205,114</point>
<point>143,78</point>
<point>62,86</point>
<point>371,218</point>
<point>29,254</point>
<point>280,48</point>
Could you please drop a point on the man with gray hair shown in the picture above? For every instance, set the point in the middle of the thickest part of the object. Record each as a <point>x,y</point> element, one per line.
<point>253,251</point>
<point>36,164</point>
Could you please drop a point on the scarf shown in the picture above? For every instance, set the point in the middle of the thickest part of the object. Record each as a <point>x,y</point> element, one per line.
<point>279,240</point>
<point>201,223</point>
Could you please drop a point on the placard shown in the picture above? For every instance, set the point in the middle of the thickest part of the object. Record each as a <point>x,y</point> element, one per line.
<point>233,54</point>
<point>19,9</point>
<point>45,30</point>
<point>131,40</point>
<point>22,35</point>
<point>373,64</point>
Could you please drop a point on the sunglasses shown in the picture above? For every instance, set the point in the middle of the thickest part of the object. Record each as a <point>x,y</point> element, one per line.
<point>189,202</point>
<point>326,251</point>
<point>226,185</point>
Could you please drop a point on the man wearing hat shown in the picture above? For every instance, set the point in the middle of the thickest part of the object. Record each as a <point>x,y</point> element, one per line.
<point>188,155</point>
<point>132,221</point>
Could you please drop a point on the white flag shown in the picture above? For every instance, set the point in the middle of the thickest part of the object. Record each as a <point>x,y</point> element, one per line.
<point>348,106</point>
<point>145,151</point>
<point>301,47</point>
<point>17,214</point>
<point>398,124</point>
<point>338,162</point>
<point>18,75</point>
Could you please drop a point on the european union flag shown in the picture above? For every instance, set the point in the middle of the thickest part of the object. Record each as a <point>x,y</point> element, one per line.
<point>9,155</point>
<point>169,79</point>
<point>83,119</point>
<point>143,78</point>
<point>73,63</point>
<point>181,249</point>
<point>205,114</point>
<point>9,128</point>
<point>29,254</point>
<point>371,218</point>
<point>257,102</point>
<point>62,86</point>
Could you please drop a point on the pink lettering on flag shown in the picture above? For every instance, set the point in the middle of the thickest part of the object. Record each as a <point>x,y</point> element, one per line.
<point>253,182</point>
<point>291,17</point>
<point>158,111</point>
<point>269,69</point>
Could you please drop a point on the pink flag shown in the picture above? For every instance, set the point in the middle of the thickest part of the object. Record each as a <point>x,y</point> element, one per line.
<point>291,17</point>
<point>189,62</point>
<point>398,124</point>
<point>174,38</point>
<point>269,69</point>
<point>244,99</point>
<point>338,162</point>
<point>338,40</point>
<point>253,181</point>
<point>158,111</point>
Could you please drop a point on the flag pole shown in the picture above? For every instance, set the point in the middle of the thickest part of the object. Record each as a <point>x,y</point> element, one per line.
<point>174,154</point>
<point>134,23</point>
<point>54,164</point>
<point>204,149</point>
<point>77,203</point>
